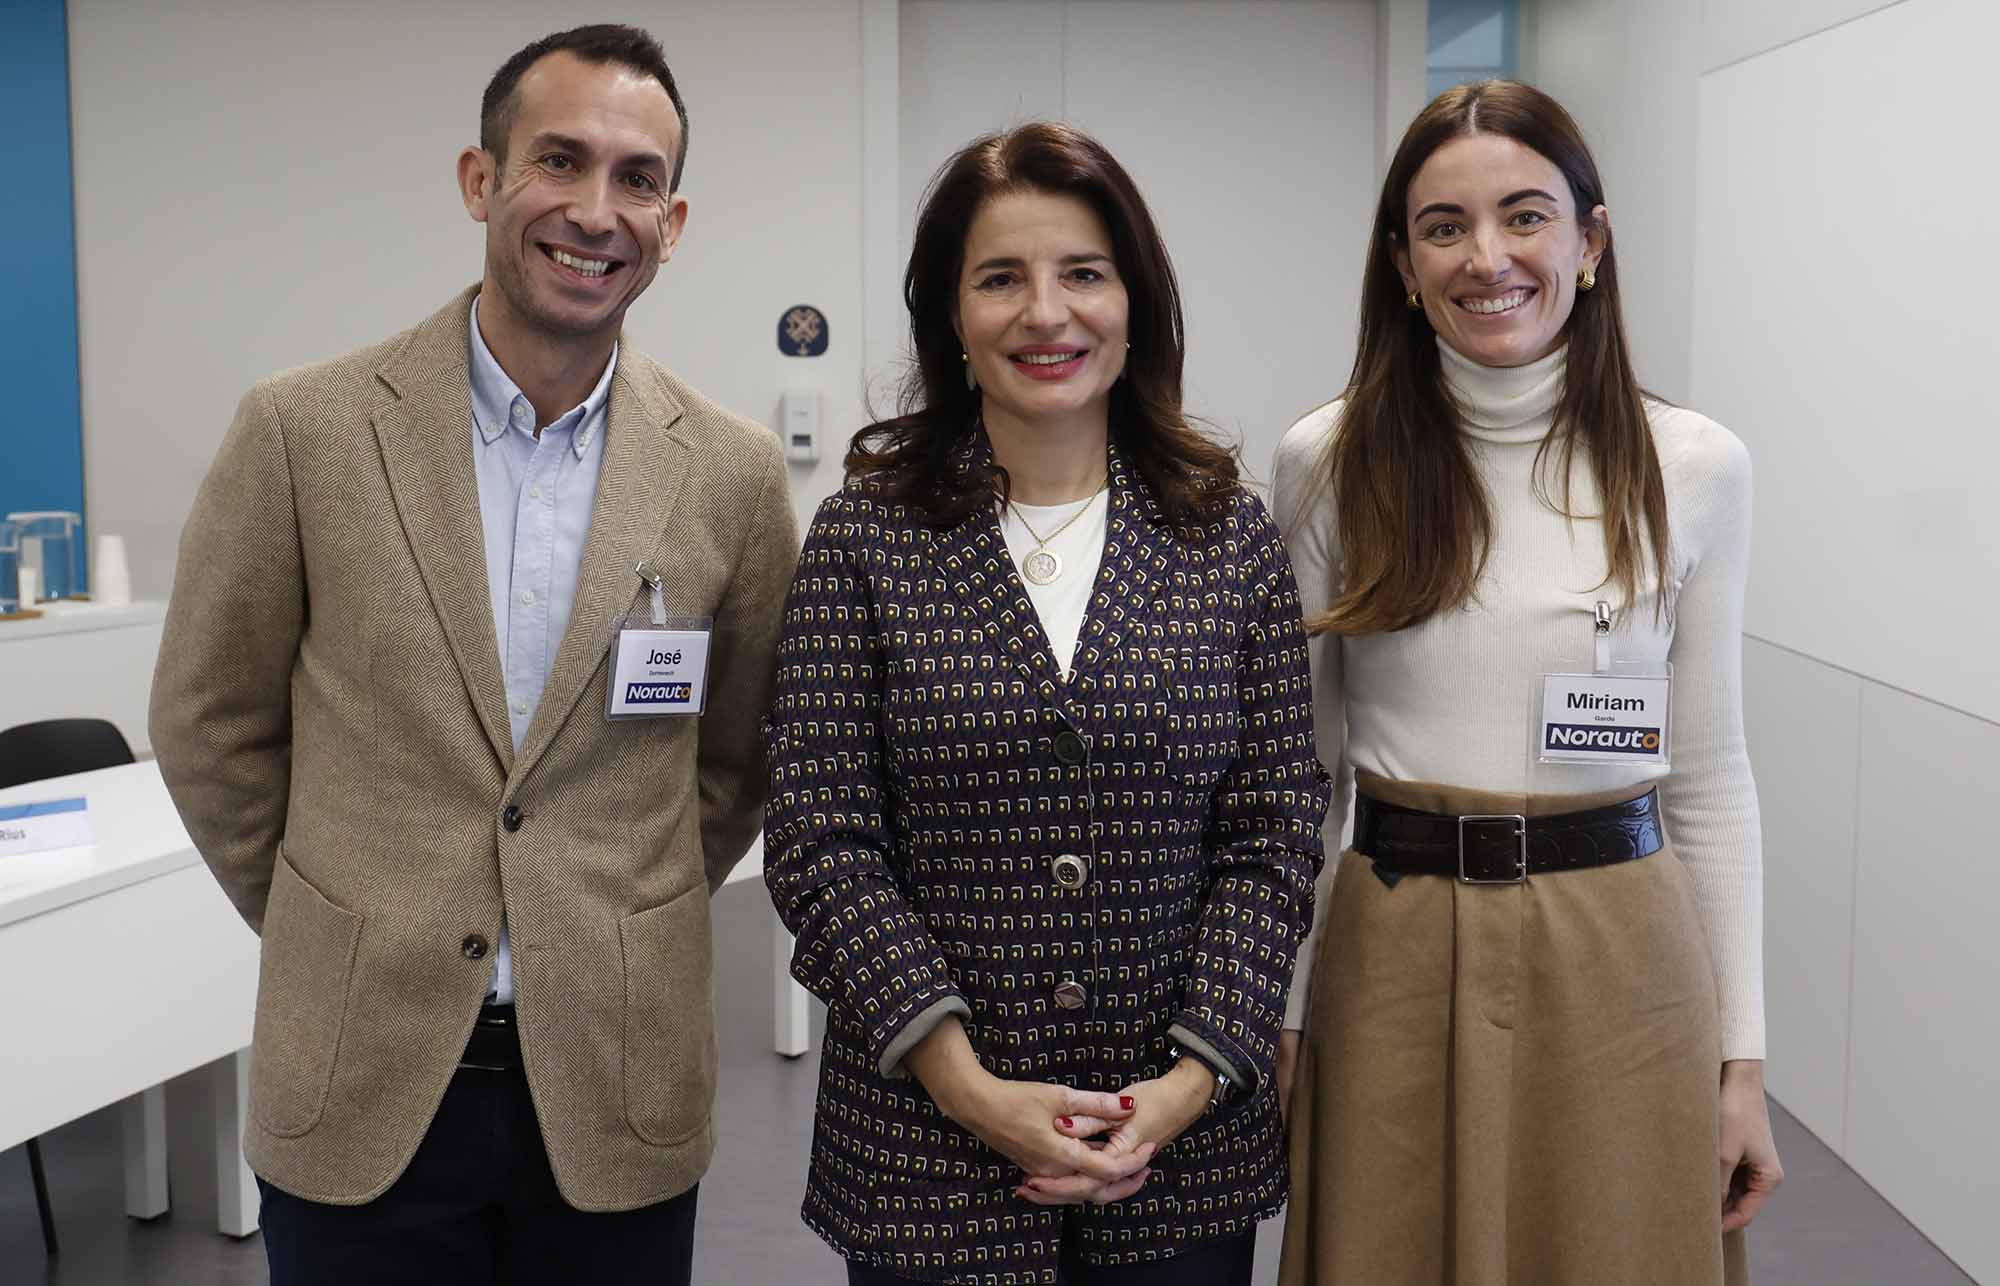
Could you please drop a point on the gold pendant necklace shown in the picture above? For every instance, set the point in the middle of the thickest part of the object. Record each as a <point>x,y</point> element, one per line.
<point>1044,566</point>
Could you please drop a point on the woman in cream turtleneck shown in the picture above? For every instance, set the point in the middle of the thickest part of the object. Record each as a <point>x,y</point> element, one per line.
<point>1554,1079</point>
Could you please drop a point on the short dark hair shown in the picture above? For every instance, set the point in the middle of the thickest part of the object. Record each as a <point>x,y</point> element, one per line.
<point>911,458</point>
<point>597,44</point>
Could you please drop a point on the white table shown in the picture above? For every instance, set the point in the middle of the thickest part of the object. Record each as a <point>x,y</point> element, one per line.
<point>123,965</point>
<point>82,660</point>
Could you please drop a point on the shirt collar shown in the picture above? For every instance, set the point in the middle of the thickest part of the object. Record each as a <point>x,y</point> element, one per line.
<point>498,403</point>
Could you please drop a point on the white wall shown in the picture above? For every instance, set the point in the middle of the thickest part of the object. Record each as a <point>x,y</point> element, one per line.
<point>1251,129</point>
<point>1626,71</point>
<point>1865,371</point>
<point>1736,29</point>
<point>1800,173</point>
<point>260,185</point>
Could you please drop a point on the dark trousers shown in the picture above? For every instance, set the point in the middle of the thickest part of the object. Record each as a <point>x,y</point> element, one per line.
<point>477,1204</point>
<point>1225,1261</point>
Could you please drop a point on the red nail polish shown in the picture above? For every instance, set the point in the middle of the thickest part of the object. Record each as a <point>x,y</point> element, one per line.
<point>1125,1101</point>
<point>1067,1124</point>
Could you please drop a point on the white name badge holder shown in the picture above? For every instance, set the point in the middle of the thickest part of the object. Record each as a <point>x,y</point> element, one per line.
<point>1615,713</point>
<point>659,666</point>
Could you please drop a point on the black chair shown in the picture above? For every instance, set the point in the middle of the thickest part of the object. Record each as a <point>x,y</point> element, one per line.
<point>58,747</point>
<point>35,752</point>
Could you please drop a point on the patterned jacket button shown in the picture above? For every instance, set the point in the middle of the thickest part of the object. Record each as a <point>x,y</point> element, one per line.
<point>1069,748</point>
<point>1070,994</point>
<point>1071,871</point>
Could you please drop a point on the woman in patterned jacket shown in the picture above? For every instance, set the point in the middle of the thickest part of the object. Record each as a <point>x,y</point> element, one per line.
<point>1044,807</point>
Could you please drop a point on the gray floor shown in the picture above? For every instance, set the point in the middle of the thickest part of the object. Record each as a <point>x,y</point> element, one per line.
<point>1827,1228</point>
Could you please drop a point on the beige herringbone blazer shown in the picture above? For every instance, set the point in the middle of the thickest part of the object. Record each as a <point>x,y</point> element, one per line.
<point>330,718</point>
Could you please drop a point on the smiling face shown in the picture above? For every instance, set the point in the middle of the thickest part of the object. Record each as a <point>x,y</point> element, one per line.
<point>1042,311</point>
<point>1493,243</point>
<point>578,216</point>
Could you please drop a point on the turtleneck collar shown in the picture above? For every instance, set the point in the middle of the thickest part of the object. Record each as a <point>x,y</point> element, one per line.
<point>1504,403</point>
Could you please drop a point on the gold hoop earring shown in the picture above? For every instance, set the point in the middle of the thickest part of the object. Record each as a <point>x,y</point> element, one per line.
<point>1586,279</point>
<point>971,380</point>
<point>1415,301</point>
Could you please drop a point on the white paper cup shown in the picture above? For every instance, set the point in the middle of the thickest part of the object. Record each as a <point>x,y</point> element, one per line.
<point>110,574</point>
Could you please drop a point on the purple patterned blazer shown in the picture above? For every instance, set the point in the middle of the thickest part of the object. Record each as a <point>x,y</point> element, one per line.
<point>930,766</point>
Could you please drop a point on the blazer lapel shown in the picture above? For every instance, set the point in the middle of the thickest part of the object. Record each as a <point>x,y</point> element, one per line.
<point>643,466</point>
<point>426,441</point>
<point>1139,555</point>
<point>1138,559</point>
<point>973,557</point>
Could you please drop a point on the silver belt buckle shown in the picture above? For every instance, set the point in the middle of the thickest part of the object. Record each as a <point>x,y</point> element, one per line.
<point>1520,825</point>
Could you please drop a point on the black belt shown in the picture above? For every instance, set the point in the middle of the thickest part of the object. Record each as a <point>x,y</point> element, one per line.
<point>1504,848</point>
<point>495,1045</point>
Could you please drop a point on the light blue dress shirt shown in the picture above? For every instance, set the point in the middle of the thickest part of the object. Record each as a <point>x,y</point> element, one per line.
<point>535,497</point>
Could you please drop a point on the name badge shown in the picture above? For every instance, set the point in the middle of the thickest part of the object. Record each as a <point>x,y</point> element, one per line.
<point>1604,718</point>
<point>38,827</point>
<point>660,670</point>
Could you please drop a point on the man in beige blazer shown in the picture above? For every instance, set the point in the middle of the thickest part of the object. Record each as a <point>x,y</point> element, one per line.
<point>484,1043</point>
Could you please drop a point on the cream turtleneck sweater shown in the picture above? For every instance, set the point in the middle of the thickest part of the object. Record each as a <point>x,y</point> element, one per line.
<point>1449,700</point>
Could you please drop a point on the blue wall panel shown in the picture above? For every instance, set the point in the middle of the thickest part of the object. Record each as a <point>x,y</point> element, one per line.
<point>41,423</point>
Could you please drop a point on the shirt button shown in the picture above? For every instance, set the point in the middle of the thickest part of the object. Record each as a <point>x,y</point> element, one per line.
<point>510,817</point>
<point>527,598</point>
<point>520,707</point>
<point>520,415</point>
<point>474,947</point>
<point>535,491</point>
<point>1070,994</point>
<point>1070,871</point>
<point>1069,748</point>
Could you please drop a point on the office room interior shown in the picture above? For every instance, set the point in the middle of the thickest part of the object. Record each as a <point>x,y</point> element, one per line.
<point>203,192</point>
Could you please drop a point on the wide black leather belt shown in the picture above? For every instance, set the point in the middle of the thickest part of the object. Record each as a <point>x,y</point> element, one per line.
<point>1504,848</point>
<point>495,1045</point>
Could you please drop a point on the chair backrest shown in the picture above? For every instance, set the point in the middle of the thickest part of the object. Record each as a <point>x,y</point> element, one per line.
<point>57,747</point>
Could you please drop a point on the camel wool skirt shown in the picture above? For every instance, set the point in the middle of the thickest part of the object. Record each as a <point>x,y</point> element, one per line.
<point>1508,1085</point>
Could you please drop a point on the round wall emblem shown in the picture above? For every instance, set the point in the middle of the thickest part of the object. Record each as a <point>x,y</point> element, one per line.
<point>802,331</point>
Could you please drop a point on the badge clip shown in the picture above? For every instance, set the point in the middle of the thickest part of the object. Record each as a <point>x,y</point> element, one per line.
<point>1600,640</point>
<point>644,570</point>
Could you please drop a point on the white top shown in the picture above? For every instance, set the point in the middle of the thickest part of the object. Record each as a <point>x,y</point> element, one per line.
<point>1060,605</point>
<point>1450,700</point>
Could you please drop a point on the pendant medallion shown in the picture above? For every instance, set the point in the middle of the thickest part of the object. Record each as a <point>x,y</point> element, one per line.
<point>1042,567</point>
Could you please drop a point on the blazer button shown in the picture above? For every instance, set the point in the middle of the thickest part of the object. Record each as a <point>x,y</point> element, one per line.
<point>1069,748</point>
<point>510,817</point>
<point>1070,994</point>
<point>474,947</point>
<point>1071,871</point>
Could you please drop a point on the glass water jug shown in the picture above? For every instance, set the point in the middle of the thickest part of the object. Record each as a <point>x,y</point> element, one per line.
<point>10,567</point>
<point>49,543</point>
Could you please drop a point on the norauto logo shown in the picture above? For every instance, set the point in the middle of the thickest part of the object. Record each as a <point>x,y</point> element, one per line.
<point>658,693</point>
<point>1581,736</point>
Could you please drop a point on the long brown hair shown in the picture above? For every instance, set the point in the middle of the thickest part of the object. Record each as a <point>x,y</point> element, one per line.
<point>1415,523</point>
<point>922,458</point>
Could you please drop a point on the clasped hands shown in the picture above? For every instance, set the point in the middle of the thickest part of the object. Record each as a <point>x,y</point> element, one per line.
<point>1074,1147</point>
